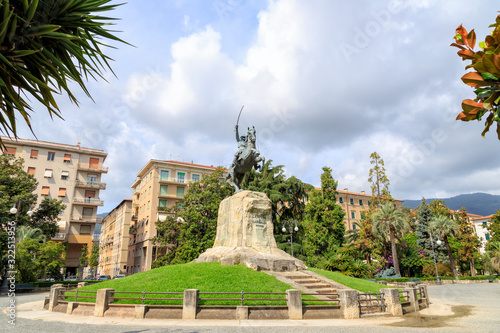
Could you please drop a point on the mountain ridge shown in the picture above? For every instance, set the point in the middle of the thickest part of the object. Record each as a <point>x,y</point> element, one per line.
<point>479,203</point>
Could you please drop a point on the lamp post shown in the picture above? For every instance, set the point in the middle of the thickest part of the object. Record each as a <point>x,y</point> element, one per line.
<point>438,280</point>
<point>4,289</point>
<point>290,224</point>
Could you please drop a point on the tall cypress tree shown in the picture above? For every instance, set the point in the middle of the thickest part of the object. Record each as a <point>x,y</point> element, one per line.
<point>324,220</point>
<point>424,216</point>
<point>469,242</point>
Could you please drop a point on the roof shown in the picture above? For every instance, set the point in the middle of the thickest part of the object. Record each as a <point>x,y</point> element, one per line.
<point>354,193</point>
<point>152,162</point>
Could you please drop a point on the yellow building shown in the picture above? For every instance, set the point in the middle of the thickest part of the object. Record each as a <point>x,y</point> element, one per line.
<point>70,173</point>
<point>114,240</point>
<point>159,184</point>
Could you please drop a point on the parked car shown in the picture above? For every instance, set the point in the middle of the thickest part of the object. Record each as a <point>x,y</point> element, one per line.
<point>119,276</point>
<point>104,278</point>
<point>71,278</point>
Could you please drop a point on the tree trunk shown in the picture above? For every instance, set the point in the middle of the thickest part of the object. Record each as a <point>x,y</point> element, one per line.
<point>450,255</point>
<point>472,268</point>
<point>394,252</point>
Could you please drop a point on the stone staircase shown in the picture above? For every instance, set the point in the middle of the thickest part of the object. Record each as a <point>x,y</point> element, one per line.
<point>310,283</point>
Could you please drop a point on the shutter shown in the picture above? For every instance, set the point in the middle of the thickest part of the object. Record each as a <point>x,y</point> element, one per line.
<point>65,173</point>
<point>67,157</point>
<point>34,154</point>
<point>94,163</point>
<point>45,190</point>
<point>62,192</point>
<point>31,171</point>
<point>48,173</point>
<point>89,194</point>
<point>9,151</point>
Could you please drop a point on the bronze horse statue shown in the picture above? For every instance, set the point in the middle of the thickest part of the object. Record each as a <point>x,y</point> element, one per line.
<point>246,158</point>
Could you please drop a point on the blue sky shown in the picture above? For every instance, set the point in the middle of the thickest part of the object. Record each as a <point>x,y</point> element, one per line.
<point>324,82</point>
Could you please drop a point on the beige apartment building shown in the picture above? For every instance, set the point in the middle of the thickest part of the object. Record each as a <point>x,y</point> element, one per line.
<point>159,184</point>
<point>353,204</point>
<point>114,240</point>
<point>70,173</point>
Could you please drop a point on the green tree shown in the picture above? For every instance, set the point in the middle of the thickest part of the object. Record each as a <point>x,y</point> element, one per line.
<point>24,232</point>
<point>46,216</point>
<point>51,260</point>
<point>445,227</point>
<point>84,259</point>
<point>412,258</point>
<point>469,242</point>
<point>46,45</point>
<point>492,257</point>
<point>35,260</point>
<point>323,223</point>
<point>424,217</point>
<point>94,258</point>
<point>485,76</point>
<point>493,228</point>
<point>190,229</point>
<point>389,223</point>
<point>439,208</point>
<point>379,183</point>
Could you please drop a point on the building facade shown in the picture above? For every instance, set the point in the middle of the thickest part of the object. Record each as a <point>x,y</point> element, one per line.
<point>159,184</point>
<point>480,224</point>
<point>70,173</point>
<point>114,240</point>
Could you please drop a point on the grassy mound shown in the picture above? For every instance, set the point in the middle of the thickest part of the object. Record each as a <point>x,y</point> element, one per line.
<point>206,277</point>
<point>351,282</point>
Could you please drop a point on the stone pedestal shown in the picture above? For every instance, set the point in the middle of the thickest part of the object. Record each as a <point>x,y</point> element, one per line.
<point>245,235</point>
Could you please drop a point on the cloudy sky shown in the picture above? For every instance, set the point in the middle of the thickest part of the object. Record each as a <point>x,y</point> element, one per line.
<point>324,82</point>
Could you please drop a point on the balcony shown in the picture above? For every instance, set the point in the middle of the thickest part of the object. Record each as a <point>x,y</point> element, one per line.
<point>134,218</point>
<point>60,236</point>
<point>175,180</point>
<point>92,167</point>
<point>86,184</point>
<point>132,230</point>
<point>88,201</point>
<point>86,218</point>
<point>95,237</point>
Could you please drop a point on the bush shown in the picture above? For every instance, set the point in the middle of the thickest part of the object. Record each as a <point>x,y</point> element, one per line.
<point>443,270</point>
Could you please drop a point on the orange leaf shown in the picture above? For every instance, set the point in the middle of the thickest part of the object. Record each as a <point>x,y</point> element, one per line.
<point>459,46</point>
<point>466,54</point>
<point>491,65</point>
<point>471,107</point>
<point>471,39</point>
<point>473,79</point>
<point>461,116</point>
<point>462,32</point>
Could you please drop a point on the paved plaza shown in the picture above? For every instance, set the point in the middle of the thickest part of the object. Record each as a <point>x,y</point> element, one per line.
<point>454,308</point>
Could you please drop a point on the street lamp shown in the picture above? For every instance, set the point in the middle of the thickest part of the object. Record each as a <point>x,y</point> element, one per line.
<point>438,280</point>
<point>4,289</point>
<point>290,224</point>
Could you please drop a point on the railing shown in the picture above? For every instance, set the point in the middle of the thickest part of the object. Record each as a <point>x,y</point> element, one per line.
<point>74,295</point>
<point>87,166</point>
<point>60,235</point>
<point>95,237</point>
<point>132,231</point>
<point>177,180</point>
<point>421,293</point>
<point>86,218</point>
<point>330,297</point>
<point>144,293</point>
<point>242,298</point>
<point>371,302</point>
<point>101,186</point>
<point>404,295</point>
<point>89,201</point>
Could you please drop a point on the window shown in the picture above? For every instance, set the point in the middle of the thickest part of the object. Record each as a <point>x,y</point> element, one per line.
<point>151,175</point>
<point>45,190</point>
<point>93,163</point>
<point>48,173</point>
<point>31,171</point>
<point>88,211</point>
<point>62,192</point>
<point>89,196</point>
<point>395,206</point>
<point>362,216</point>
<point>484,223</point>
<point>149,190</point>
<point>163,175</point>
<point>180,191</point>
<point>163,190</point>
<point>180,177</point>
<point>149,203</point>
<point>50,156</point>
<point>9,151</point>
<point>163,203</point>
<point>195,178</point>
<point>360,202</point>
<point>353,215</point>
<point>353,227</point>
<point>34,154</point>
<point>92,178</point>
<point>64,175</point>
<point>487,236</point>
<point>85,229</point>
<point>67,158</point>
<point>351,201</point>
<point>341,200</point>
<point>181,204</point>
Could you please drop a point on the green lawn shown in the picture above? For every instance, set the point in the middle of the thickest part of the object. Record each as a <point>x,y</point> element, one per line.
<point>351,282</point>
<point>206,277</point>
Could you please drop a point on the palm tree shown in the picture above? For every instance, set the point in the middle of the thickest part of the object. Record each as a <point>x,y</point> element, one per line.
<point>24,232</point>
<point>44,45</point>
<point>388,221</point>
<point>492,257</point>
<point>445,226</point>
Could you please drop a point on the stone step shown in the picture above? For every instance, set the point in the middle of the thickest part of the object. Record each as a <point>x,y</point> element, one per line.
<point>298,277</point>
<point>308,281</point>
<point>317,286</point>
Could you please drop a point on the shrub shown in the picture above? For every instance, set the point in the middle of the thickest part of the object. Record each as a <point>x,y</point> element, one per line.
<point>443,270</point>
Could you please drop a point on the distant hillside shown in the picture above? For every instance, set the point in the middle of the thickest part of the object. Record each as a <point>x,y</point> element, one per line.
<point>476,203</point>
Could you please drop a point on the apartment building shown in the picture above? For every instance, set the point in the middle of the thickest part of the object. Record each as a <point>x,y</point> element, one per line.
<point>480,224</point>
<point>159,184</point>
<point>114,240</point>
<point>70,173</point>
<point>353,204</point>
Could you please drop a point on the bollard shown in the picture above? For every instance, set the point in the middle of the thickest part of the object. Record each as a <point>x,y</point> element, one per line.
<point>349,304</point>
<point>102,301</point>
<point>140,311</point>
<point>294,302</point>
<point>241,312</point>
<point>54,297</point>
<point>190,303</point>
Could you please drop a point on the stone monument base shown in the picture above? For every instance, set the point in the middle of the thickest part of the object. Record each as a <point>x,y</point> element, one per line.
<point>279,260</point>
<point>245,235</point>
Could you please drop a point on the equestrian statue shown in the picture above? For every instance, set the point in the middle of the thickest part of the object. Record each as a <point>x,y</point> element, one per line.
<point>246,157</point>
